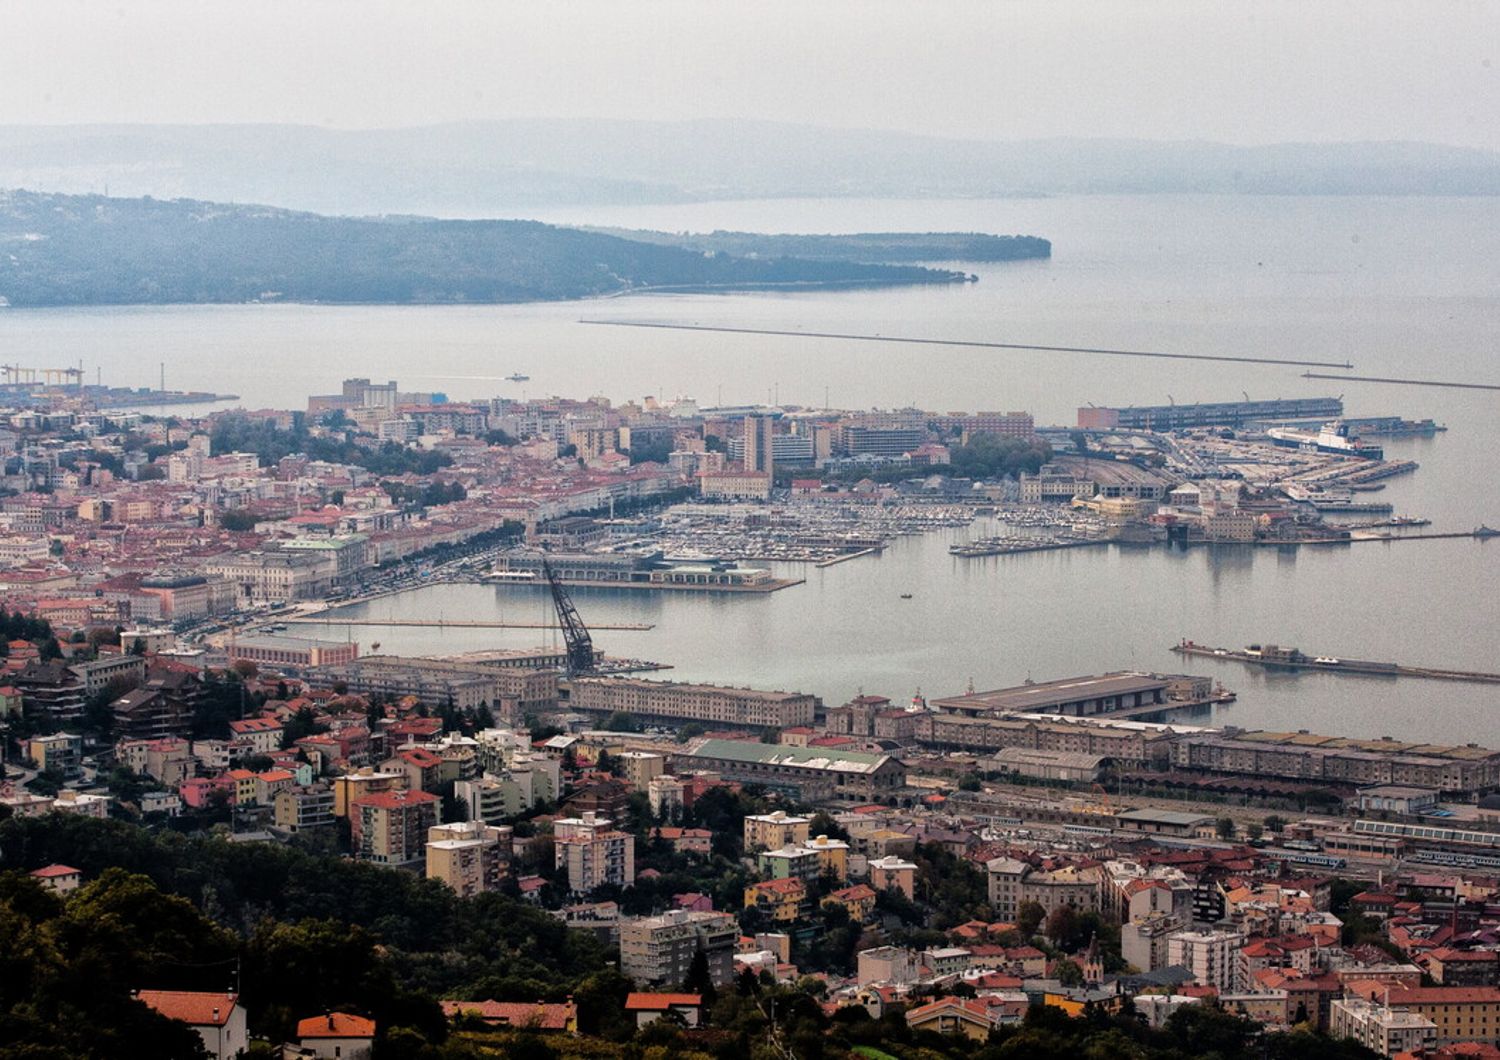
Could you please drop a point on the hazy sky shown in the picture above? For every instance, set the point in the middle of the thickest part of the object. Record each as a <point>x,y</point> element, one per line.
<point>1236,70</point>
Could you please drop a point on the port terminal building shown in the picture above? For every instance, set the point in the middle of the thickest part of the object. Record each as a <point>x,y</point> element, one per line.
<point>1074,697</point>
<point>1214,414</point>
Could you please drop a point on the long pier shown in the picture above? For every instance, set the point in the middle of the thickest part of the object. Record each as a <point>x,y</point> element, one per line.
<point>1393,381</point>
<point>976,343</point>
<point>1334,665</point>
<point>449,623</point>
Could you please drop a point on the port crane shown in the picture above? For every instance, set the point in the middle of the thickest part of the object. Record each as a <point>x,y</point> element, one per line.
<point>14,374</point>
<point>575,633</point>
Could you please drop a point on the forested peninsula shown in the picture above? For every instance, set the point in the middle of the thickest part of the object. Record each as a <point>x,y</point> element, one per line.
<point>58,250</point>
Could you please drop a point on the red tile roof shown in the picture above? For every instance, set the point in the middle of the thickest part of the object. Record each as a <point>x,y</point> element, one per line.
<point>394,800</point>
<point>198,1009</point>
<point>1452,995</point>
<point>335,1025</point>
<point>658,1002</point>
<point>542,1016</point>
<point>50,872</point>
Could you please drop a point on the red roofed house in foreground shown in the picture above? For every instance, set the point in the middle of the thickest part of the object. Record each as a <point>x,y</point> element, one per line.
<point>338,1035</point>
<point>217,1017</point>
<point>649,1008</point>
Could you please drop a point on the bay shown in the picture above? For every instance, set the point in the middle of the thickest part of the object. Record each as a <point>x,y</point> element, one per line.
<point>1404,286</point>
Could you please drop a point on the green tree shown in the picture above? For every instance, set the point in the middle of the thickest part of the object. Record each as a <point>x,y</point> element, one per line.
<point>1029,918</point>
<point>1068,973</point>
<point>1224,828</point>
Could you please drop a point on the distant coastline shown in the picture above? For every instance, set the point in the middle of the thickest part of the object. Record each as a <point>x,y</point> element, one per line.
<point>65,250</point>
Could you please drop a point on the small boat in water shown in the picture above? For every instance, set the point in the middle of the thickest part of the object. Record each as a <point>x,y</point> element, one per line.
<point>517,377</point>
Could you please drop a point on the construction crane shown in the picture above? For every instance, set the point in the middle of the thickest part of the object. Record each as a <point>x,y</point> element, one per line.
<point>575,633</point>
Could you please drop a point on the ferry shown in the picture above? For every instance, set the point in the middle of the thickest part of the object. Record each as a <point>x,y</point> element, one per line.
<point>510,576</point>
<point>517,377</point>
<point>1333,437</point>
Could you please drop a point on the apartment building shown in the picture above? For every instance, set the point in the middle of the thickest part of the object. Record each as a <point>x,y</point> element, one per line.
<point>471,857</point>
<point>641,767</point>
<point>593,853</point>
<point>774,830</point>
<point>298,809</point>
<point>1383,1030</point>
<point>1013,883</point>
<point>659,950</point>
<point>390,827</point>
<point>1212,956</point>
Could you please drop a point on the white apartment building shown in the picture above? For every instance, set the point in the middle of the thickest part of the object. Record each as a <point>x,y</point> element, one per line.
<point>1210,955</point>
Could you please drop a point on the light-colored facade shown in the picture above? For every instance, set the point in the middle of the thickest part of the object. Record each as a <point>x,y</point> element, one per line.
<point>678,701</point>
<point>665,795</point>
<point>391,827</point>
<point>774,830</point>
<point>893,873</point>
<point>471,857</point>
<point>597,858</point>
<point>1212,956</point>
<point>659,950</point>
<point>1013,883</point>
<point>1383,1030</point>
<point>641,767</point>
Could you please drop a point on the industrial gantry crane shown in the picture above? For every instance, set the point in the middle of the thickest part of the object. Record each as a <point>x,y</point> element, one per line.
<point>575,633</point>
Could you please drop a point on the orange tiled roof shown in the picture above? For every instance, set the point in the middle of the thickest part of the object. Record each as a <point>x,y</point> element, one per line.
<point>658,1002</point>
<point>336,1025</point>
<point>186,1006</point>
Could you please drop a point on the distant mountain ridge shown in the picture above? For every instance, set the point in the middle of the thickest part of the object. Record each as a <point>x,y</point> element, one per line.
<point>503,167</point>
<point>92,250</point>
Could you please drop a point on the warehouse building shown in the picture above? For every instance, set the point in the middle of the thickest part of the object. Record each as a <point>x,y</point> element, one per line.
<point>814,774</point>
<point>674,701</point>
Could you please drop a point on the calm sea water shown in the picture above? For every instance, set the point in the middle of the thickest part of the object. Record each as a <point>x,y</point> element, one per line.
<point>1397,286</point>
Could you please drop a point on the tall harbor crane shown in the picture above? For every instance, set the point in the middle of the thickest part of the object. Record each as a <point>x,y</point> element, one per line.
<point>575,633</point>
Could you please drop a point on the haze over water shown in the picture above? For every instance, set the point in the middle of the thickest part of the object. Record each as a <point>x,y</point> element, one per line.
<point>1397,286</point>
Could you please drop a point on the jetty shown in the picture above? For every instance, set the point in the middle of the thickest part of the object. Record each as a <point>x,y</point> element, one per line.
<point>442,623</point>
<point>1280,657</point>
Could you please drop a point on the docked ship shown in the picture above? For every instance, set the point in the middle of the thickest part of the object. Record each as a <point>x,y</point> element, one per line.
<point>1331,500</point>
<point>1332,437</point>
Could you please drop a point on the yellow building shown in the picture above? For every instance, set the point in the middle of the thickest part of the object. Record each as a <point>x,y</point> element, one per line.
<point>783,901</point>
<point>858,901</point>
<point>833,855</point>
<point>357,785</point>
<point>772,831</point>
<point>1462,1013</point>
<point>954,1016</point>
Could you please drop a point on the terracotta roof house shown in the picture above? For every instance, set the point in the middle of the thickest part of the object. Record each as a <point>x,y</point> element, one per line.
<point>217,1017</point>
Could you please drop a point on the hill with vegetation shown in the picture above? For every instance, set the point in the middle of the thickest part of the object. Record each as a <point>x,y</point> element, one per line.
<point>880,247</point>
<point>93,250</point>
<point>300,930</point>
